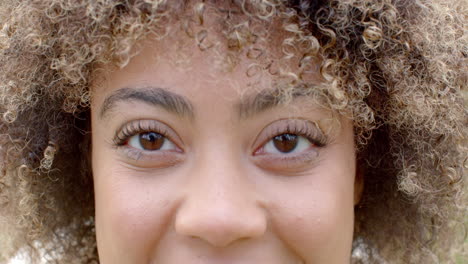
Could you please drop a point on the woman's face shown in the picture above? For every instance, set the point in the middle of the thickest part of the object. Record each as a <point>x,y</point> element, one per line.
<point>192,164</point>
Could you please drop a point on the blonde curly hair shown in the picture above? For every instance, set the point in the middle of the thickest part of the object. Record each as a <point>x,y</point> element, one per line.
<point>396,67</point>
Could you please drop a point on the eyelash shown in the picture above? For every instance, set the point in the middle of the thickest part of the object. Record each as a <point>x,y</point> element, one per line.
<point>122,135</point>
<point>300,128</point>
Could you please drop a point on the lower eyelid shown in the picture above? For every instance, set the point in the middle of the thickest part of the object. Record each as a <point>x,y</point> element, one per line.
<point>304,156</point>
<point>132,153</point>
<point>285,165</point>
<point>148,159</point>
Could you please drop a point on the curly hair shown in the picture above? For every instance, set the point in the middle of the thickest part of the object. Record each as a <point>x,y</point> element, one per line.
<point>397,68</point>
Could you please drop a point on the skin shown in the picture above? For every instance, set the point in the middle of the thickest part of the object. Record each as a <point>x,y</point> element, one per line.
<point>218,191</point>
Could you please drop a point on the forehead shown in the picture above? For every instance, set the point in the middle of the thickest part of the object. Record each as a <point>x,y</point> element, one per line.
<point>222,46</point>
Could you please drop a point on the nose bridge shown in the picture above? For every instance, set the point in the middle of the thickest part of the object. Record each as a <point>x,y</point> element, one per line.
<point>219,205</point>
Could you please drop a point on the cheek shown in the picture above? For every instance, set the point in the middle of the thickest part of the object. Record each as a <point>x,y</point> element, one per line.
<point>320,229</point>
<point>315,216</point>
<point>131,214</point>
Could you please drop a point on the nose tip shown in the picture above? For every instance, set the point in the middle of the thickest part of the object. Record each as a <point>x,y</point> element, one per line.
<point>219,223</point>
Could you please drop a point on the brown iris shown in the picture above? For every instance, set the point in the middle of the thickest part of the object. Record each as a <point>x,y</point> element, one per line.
<point>151,140</point>
<point>286,142</point>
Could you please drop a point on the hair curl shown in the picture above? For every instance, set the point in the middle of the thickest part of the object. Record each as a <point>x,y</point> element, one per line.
<point>397,68</point>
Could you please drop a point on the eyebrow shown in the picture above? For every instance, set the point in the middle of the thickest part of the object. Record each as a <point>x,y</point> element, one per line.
<point>155,96</point>
<point>269,98</point>
<point>249,106</point>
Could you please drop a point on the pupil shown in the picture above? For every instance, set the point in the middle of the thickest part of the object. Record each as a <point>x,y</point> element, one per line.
<point>286,142</point>
<point>151,140</point>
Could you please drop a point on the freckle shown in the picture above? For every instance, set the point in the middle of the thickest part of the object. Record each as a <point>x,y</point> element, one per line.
<point>299,219</point>
<point>318,221</point>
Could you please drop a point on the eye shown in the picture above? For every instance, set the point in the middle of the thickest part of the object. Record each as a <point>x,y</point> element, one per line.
<point>287,143</point>
<point>289,146</point>
<point>151,141</point>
